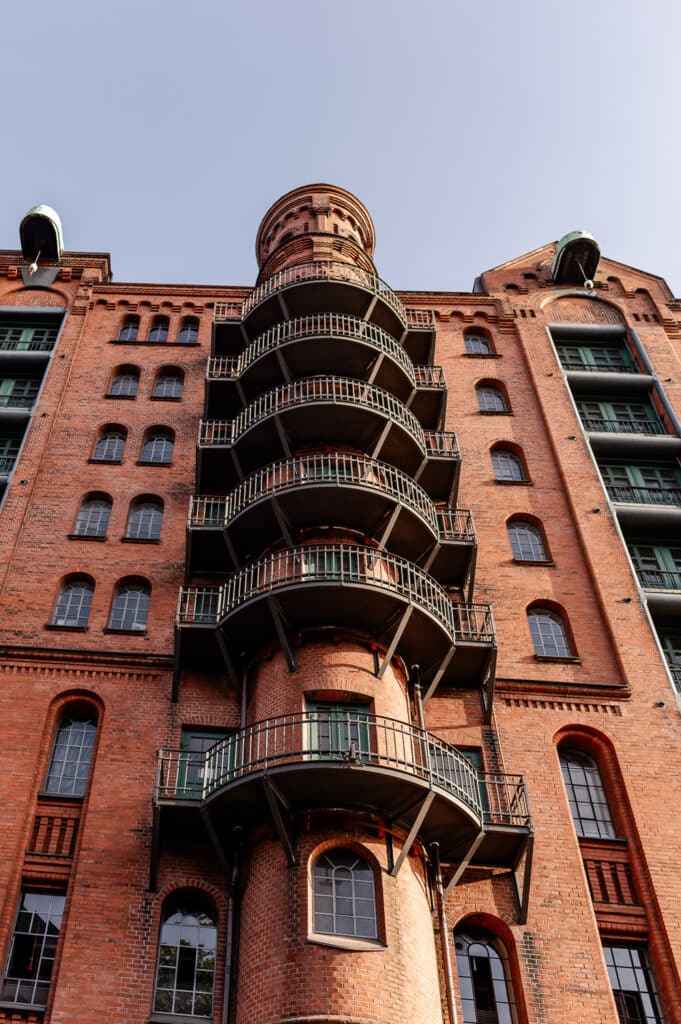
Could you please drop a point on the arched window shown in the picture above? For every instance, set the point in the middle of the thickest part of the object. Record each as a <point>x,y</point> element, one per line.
<point>125,382</point>
<point>507,465</point>
<point>159,329</point>
<point>71,754</point>
<point>477,344</point>
<point>491,399</point>
<point>586,796</point>
<point>129,329</point>
<point>185,976</point>
<point>344,896</point>
<point>169,383</point>
<point>145,519</point>
<point>130,606</point>
<point>74,600</point>
<point>158,446</point>
<point>549,635</point>
<point>484,977</point>
<point>93,516</point>
<point>110,445</point>
<point>527,542</point>
<point>189,331</point>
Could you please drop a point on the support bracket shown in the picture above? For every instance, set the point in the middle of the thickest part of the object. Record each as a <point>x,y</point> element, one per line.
<point>465,862</point>
<point>276,801</point>
<point>420,817</point>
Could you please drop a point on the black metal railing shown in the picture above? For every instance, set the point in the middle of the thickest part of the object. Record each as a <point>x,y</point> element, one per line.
<point>645,495</point>
<point>659,579</point>
<point>623,425</point>
<point>615,364</point>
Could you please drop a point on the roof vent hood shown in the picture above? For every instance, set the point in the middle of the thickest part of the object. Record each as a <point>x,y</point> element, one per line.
<point>576,258</point>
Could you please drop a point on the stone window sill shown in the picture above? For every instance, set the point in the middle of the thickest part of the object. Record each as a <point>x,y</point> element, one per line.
<point>68,629</point>
<point>514,483</point>
<point>546,562</point>
<point>165,398</point>
<point>86,536</point>
<point>148,462</point>
<point>140,540</point>
<point>121,398</point>
<point>125,632</point>
<point>496,412</point>
<point>106,462</point>
<point>348,942</point>
<point>559,659</point>
<point>482,355</point>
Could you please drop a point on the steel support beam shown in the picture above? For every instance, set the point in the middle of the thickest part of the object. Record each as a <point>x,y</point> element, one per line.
<point>465,862</point>
<point>413,832</point>
<point>435,682</point>
<point>275,802</point>
<point>277,618</point>
<point>408,611</point>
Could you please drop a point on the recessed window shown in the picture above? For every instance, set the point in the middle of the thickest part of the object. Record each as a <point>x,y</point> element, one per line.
<point>158,446</point>
<point>93,516</point>
<point>130,606</point>
<point>527,543</point>
<point>110,445</point>
<point>33,949</point>
<point>484,978</point>
<point>169,384</point>
<point>189,331</point>
<point>477,344</point>
<point>185,975</point>
<point>507,465</point>
<point>145,520</point>
<point>344,896</point>
<point>71,755</point>
<point>125,382</point>
<point>633,985</point>
<point>74,600</point>
<point>158,332</point>
<point>549,635</point>
<point>491,399</point>
<point>586,796</point>
<point>129,329</point>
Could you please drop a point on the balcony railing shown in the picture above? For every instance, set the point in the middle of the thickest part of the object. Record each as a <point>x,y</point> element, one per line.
<point>336,563</point>
<point>645,495</point>
<point>622,425</point>
<point>615,364</point>
<point>455,524</point>
<point>17,401</point>
<point>659,579</point>
<point>420,319</point>
<point>341,390</point>
<point>675,672</point>
<point>430,377</point>
<point>442,444</point>
<point>332,325</point>
<point>17,345</point>
<point>227,312</point>
<point>7,463</point>
<point>323,270</point>
<point>353,738</point>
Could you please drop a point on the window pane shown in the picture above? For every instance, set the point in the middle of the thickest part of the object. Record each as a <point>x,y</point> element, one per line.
<point>158,448</point>
<point>32,950</point>
<point>484,978</point>
<point>185,975</point>
<point>476,345</point>
<point>130,608</point>
<point>507,465</point>
<point>93,518</point>
<point>145,520</point>
<point>633,985</point>
<point>491,399</point>
<point>124,385</point>
<point>110,446</point>
<point>588,803</point>
<point>168,385</point>
<point>549,635</point>
<point>73,604</point>
<point>526,542</point>
<point>129,330</point>
<point>341,907</point>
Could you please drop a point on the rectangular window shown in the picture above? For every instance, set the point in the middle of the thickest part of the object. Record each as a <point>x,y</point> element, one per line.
<point>596,358</point>
<point>620,417</point>
<point>643,484</point>
<point>21,334</point>
<point>33,949</point>
<point>633,985</point>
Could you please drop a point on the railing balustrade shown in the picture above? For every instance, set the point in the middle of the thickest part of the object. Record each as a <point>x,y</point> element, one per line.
<point>442,444</point>
<point>616,364</point>
<point>622,425</point>
<point>226,312</point>
<point>17,345</point>
<point>455,524</point>
<point>645,495</point>
<point>353,738</point>
<point>7,463</point>
<point>420,319</point>
<point>659,579</point>
<point>428,376</point>
<point>17,401</point>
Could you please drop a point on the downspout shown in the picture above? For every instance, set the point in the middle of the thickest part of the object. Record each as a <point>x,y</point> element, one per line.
<point>233,934</point>
<point>452,1015</point>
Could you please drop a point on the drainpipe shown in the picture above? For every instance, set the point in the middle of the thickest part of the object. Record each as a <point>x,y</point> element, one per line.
<point>452,1016</point>
<point>418,699</point>
<point>233,933</point>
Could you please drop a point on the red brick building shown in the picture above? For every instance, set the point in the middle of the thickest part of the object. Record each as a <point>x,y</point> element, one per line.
<point>309,592</point>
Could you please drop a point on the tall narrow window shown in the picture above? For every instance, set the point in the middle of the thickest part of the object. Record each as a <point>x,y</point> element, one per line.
<point>125,382</point>
<point>527,543</point>
<point>129,329</point>
<point>549,635</point>
<point>586,796</point>
<point>185,976</point>
<point>158,446</point>
<point>145,520</point>
<point>33,949</point>
<point>169,383</point>
<point>71,755</point>
<point>72,608</point>
<point>130,606</point>
<point>158,331</point>
<point>484,978</point>
<point>110,445</point>
<point>93,516</point>
<point>344,896</point>
<point>189,331</point>
<point>507,465</point>
<point>491,399</point>
<point>633,985</point>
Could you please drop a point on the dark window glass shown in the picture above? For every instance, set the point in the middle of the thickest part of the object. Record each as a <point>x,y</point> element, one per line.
<point>189,332</point>
<point>110,446</point>
<point>169,384</point>
<point>491,399</point>
<point>185,976</point>
<point>144,522</point>
<point>93,518</point>
<point>507,465</point>
<point>129,329</point>
<point>130,607</point>
<point>633,985</point>
<point>124,384</point>
<point>549,635</point>
<point>33,949</point>
<point>73,603</point>
<point>22,336</point>
<point>526,540</point>
<point>344,897</point>
<point>586,796</point>
<point>158,447</point>
<point>477,345</point>
<point>159,329</point>
<point>484,978</point>
<point>70,763</point>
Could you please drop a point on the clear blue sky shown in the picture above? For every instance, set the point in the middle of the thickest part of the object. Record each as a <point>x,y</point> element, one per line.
<point>162,130</point>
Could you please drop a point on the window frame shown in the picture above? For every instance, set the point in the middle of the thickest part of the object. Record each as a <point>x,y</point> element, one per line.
<point>129,585</point>
<point>337,939</point>
<point>73,583</point>
<point>106,434</point>
<point>159,329</point>
<point>492,399</point>
<point>473,935</point>
<point>567,653</point>
<point>136,508</point>
<point>191,906</point>
<point>164,375</point>
<point>103,500</point>
<point>157,436</point>
<point>131,375</point>
<point>637,967</point>
<point>189,323</point>
<point>586,791</point>
<point>84,759</point>
<point>501,451</point>
<point>129,329</point>
<point>40,937</point>
<point>532,529</point>
<point>473,338</point>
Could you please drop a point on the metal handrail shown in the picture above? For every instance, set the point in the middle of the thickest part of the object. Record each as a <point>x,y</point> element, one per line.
<point>349,737</point>
<point>624,425</point>
<point>16,345</point>
<point>7,463</point>
<point>323,270</point>
<point>420,319</point>
<point>336,563</point>
<point>227,312</point>
<point>442,444</point>
<point>619,365</point>
<point>17,401</point>
<point>342,390</point>
<point>428,376</point>
<point>333,325</point>
<point>675,672</point>
<point>659,579</point>
<point>645,495</point>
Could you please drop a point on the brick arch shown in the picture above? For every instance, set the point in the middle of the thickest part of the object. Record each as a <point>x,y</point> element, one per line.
<point>180,885</point>
<point>578,307</point>
<point>34,297</point>
<point>354,846</point>
<point>499,929</point>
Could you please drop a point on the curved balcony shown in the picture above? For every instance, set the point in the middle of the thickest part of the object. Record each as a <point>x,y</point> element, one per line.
<point>348,586</point>
<point>337,489</point>
<point>321,286</point>
<point>337,411</point>
<point>354,760</point>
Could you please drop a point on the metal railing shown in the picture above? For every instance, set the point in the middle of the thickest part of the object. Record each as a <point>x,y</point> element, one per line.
<point>623,425</point>
<point>16,345</point>
<point>353,738</point>
<point>442,444</point>
<point>336,563</point>
<point>225,312</point>
<point>17,401</point>
<point>7,464</point>
<point>420,319</point>
<point>324,270</point>
<point>341,390</point>
<point>332,325</point>
<point>615,365</point>
<point>428,376</point>
<point>675,672</point>
<point>659,579</point>
<point>455,524</point>
<point>645,495</point>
